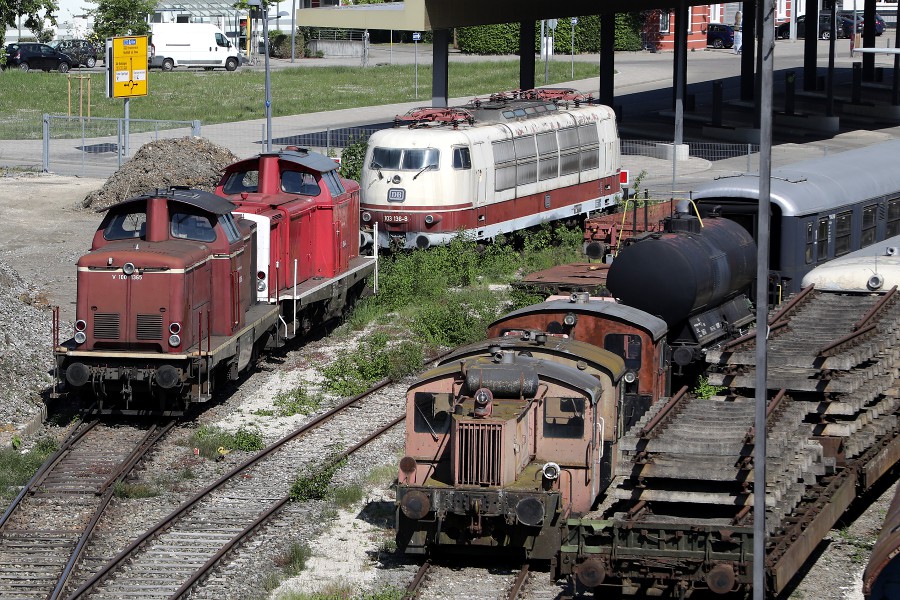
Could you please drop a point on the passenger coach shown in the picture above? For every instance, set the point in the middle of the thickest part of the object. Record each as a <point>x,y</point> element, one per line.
<point>821,209</point>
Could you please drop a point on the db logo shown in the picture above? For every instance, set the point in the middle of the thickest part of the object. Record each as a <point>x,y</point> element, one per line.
<point>396,195</point>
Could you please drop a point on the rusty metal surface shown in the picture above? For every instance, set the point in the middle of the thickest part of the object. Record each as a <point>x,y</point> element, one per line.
<point>886,549</point>
<point>573,277</point>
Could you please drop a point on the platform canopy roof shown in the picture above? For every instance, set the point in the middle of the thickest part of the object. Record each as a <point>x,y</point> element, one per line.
<point>423,15</point>
<point>198,8</point>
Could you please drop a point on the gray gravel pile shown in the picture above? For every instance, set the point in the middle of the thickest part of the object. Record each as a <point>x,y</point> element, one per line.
<point>189,161</point>
<point>25,349</point>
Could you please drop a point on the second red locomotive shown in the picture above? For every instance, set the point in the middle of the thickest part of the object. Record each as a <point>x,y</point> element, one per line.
<point>183,288</point>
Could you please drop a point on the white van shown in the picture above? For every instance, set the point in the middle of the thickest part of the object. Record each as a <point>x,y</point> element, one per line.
<point>191,45</point>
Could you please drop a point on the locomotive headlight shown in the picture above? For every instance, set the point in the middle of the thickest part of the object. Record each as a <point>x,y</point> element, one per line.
<point>570,319</point>
<point>550,471</point>
<point>366,217</point>
<point>429,219</point>
<point>80,325</point>
<point>260,285</point>
<point>630,377</point>
<point>128,268</point>
<point>175,328</point>
<point>174,340</point>
<point>483,397</point>
<point>395,179</point>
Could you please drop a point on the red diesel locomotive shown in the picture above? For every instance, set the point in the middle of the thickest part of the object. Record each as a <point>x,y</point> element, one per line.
<point>183,288</point>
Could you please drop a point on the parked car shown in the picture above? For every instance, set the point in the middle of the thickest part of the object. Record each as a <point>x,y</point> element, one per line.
<point>843,28</point>
<point>81,50</point>
<point>31,55</point>
<point>719,35</point>
<point>848,14</point>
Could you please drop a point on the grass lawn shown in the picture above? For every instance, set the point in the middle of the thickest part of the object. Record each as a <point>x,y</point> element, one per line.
<point>221,97</point>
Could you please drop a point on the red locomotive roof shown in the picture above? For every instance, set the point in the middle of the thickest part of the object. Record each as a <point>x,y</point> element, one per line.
<point>167,255</point>
<point>300,156</point>
<point>202,200</point>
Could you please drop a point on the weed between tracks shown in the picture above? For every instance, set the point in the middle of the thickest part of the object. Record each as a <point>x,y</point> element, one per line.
<point>16,468</point>
<point>212,442</point>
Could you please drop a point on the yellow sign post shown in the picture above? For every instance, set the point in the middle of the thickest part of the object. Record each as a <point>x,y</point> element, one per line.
<point>126,67</point>
<point>126,72</point>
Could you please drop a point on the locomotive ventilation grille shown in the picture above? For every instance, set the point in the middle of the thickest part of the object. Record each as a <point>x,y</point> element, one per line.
<point>149,327</point>
<point>478,453</point>
<point>106,326</point>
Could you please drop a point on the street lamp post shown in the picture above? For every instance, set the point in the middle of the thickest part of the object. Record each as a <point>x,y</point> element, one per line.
<point>259,5</point>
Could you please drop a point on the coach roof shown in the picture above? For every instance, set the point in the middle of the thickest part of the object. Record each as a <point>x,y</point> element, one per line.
<point>820,184</point>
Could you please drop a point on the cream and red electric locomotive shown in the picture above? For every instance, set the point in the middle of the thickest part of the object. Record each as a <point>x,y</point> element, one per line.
<point>492,167</point>
<point>183,288</point>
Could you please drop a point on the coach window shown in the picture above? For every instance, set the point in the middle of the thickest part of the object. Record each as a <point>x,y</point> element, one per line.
<point>869,223</point>
<point>461,158</point>
<point>564,418</point>
<point>843,227</point>
<point>810,242</point>
<point>125,226</point>
<point>822,240</point>
<point>241,181</point>
<point>893,221</point>
<point>627,346</point>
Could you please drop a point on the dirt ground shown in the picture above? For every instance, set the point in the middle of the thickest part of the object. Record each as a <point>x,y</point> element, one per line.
<point>43,231</point>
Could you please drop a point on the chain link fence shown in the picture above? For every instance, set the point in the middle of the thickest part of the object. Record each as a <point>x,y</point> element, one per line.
<point>97,146</point>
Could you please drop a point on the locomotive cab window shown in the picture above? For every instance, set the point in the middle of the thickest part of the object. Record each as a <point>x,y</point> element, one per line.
<point>230,228</point>
<point>564,418</point>
<point>241,181</point>
<point>192,226</point>
<point>625,345</point>
<point>295,182</point>
<point>461,158</point>
<point>432,412</point>
<point>125,226</point>
<point>405,159</point>
<point>334,183</point>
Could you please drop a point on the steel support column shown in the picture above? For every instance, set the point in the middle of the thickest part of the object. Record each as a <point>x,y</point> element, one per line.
<point>607,58</point>
<point>440,89</point>
<point>526,55</point>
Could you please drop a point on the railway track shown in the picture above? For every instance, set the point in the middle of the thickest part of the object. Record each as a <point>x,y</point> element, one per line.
<point>177,553</point>
<point>44,532</point>
<point>831,430</point>
<point>432,581</point>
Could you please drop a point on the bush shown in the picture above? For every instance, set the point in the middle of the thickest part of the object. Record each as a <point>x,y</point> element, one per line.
<point>504,39</point>
<point>352,158</point>
<point>314,482</point>
<point>17,468</point>
<point>296,401</point>
<point>374,360</point>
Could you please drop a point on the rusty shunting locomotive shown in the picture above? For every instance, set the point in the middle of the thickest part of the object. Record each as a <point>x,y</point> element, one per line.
<point>559,437</point>
<point>182,288</point>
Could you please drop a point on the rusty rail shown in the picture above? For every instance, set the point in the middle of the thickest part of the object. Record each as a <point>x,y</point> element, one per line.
<point>520,580</point>
<point>843,340</point>
<point>877,307</point>
<point>167,521</point>
<point>792,303</point>
<point>412,590</point>
<point>663,413</point>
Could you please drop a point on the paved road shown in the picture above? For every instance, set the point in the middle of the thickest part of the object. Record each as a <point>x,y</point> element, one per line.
<point>643,100</point>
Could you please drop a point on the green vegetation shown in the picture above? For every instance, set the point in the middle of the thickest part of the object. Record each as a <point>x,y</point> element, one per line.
<point>17,468</point>
<point>504,38</point>
<point>134,490</point>
<point>314,482</point>
<point>375,359</point>
<point>296,401</point>
<point>210,439</point>
<point>293,560</point>
<point>184,95</point>
<point>705,390</point>
<point>346,496</point>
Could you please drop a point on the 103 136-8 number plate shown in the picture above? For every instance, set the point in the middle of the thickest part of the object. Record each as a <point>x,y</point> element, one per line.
<point>396,218</point>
